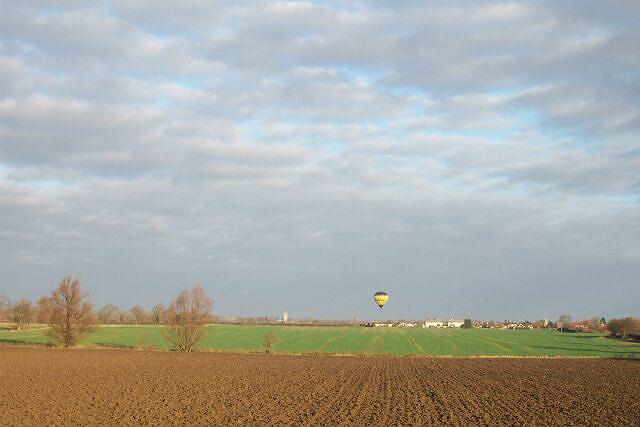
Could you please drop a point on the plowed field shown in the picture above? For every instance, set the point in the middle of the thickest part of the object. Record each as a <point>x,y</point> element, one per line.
<point>92,387</point>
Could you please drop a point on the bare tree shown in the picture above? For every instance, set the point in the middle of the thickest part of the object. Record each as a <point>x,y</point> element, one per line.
<point>564,321</point>
<point>109,314</point>
<point>43,312</point>
<point>594,323</point>
<point>71,314</point>
<point>186,317</point>
<point>624,327</point>
<point>6,308</point>
<point>629,326</point>
<point>614,326</point>
<point>127,317</point>
<point>269,340</point>
<point>139,314</point>
<point>156,313</point>
<point>22,314</point>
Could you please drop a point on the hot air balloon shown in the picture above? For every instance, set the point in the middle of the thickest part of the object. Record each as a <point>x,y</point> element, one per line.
<point>380,298</point>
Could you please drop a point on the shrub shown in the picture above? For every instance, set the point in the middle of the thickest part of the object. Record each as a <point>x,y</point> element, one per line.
<point>624,328</point>
<point>269,340</point>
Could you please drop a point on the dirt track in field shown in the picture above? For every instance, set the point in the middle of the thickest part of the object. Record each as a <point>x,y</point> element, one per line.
<point>50,386</point>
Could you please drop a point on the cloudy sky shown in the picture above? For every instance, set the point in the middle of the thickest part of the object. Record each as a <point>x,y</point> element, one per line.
<point>470,158</point>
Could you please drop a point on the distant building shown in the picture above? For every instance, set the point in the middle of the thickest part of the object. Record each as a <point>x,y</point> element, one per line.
<point>383,325</point>
<point>455,323</point>
<point>539,324</point>
<point>435,323</point>
<point>404,324</point>
<point>285,316</point>
<point>519,326</point>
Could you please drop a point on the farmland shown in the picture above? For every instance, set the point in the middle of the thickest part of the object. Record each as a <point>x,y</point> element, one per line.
<point>106,387</point>
<point>366,341</point>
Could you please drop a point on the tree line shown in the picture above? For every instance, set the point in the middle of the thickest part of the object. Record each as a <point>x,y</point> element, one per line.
<point>69,315</point>
<point>628,327</point>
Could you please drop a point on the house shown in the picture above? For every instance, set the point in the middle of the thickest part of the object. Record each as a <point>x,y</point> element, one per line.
<point>455,323</point>
<point>539,324</point>
<point>434,323</point>
<point>383,325</point>
<point>581,325</point>
<point>404,324</point>
<point>519,326</point>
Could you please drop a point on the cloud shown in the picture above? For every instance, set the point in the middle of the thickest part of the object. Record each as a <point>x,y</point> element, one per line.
<point>471,158</point>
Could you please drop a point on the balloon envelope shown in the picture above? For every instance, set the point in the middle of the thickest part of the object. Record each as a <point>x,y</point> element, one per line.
<point>380,298</point>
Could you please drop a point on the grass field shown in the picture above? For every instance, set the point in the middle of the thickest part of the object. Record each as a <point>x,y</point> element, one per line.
<point>359,340</point>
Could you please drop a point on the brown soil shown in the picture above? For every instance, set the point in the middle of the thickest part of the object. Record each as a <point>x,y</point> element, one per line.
<point>97,387</point>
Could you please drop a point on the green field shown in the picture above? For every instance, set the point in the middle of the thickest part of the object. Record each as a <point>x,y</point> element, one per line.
<point>359,340</point>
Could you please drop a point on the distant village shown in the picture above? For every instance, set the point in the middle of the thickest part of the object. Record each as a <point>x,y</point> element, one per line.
<point>588,325</point>
<point>24,312</point>
<point>457,323</point>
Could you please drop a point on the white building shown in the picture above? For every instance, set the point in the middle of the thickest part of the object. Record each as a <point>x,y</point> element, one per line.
<point>433,324</point>
<point>455,323</point>
<point>285,316</point>
<point>518,326</point>
<point>403,324</point>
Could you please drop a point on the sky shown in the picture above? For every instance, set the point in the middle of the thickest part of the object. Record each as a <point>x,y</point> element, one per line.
<point>473,159</point>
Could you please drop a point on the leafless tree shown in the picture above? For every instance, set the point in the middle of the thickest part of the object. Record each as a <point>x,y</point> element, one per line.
<point>43,311</point>
<point>71,314</point>
<point>109,314</point>
<point>186,317</point>
<point>139,314</point>
<point>614,326</point>
<point>624,327</point>
<point>594,323</point>
<point>22,314</point>
<point>564,321</point>
<point>127,317</point>
<point>629,326</point>
<point>6,307</point>
<point>156,313</point>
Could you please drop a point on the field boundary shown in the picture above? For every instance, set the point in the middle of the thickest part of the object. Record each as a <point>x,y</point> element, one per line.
<point>49,346</point>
